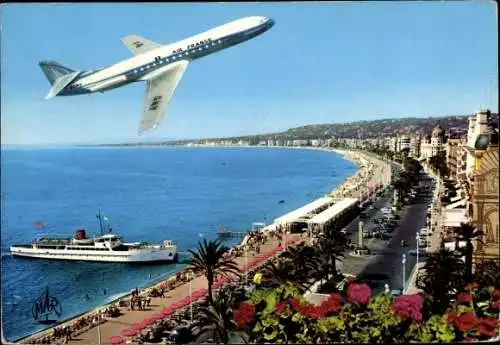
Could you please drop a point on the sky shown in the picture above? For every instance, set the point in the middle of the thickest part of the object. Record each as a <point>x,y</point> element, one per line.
<point>320,63</point>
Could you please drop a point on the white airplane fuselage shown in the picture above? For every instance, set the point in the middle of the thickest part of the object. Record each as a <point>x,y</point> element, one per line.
<point>150,64</point>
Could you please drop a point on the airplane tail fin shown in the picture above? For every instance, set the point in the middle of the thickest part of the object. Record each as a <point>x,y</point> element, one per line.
<point>54,70</point>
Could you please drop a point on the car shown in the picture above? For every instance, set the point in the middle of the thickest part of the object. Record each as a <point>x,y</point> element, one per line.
<point>424,232</point>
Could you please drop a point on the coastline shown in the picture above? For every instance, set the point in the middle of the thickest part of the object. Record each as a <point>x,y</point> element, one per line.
<point>359,178</point>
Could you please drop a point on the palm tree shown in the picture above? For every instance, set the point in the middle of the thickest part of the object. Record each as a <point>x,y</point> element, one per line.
<point>281,272</point>
<point>332,245</point>
<point>467,232</point>
<point>442,277</point>
<point>209,259</point>
<point>304,258</point>
<point>216,319</point>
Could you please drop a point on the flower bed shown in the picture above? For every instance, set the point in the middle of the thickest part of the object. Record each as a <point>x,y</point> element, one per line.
<point>282,315</point>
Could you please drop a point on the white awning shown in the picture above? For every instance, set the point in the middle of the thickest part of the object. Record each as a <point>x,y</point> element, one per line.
<point>333,211</point>
<point>454,217</point>
<point>304,210</point>
<point>461,202</point>
<point>455,198</point>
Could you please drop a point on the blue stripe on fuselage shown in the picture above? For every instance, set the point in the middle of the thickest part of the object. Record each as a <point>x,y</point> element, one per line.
<point>193,53</point>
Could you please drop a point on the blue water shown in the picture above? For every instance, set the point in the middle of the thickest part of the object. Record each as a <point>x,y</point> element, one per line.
<point>148,194</point>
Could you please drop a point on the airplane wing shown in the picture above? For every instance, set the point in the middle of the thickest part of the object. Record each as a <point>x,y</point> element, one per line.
<point>159,92</point>
<point>138,45</point>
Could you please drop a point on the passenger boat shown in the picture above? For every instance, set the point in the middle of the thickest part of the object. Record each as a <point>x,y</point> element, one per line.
<point>105,248</point>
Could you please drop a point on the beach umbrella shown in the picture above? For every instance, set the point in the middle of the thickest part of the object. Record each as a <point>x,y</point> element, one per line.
<point>128,332</point>
<point>138,326</point>
<point>149,321</point>
<point>157,316</point>
<point>116,340</point>
<point>167,311</point>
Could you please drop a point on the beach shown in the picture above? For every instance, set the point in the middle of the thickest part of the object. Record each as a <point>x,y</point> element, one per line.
<point>371,171</point>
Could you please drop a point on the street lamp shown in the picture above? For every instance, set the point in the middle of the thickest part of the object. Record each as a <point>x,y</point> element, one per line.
<point>418,245</point>
<point>246,266</point>
<point>403,262</point>
<point>190,277</point>
<point>100,316</point>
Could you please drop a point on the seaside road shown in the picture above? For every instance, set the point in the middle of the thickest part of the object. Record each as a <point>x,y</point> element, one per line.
<point>387,266</point>
<point>114,326</point>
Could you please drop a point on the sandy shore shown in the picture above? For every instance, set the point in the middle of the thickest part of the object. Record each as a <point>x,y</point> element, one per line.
<point>372,171</point>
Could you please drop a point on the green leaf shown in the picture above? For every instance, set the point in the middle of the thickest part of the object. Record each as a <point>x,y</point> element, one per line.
<point>296,317</point>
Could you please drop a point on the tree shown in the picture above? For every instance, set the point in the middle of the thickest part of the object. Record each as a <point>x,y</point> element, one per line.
<point>332,245</point>
<point>210,260</point>
<point>467,232</point>
<point>216,319</point>
<point>305,260</point>
<point>442,277</point>
<point>281,271</point>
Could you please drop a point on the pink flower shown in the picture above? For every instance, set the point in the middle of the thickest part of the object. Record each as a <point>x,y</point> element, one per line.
<point>408,306</point>
<point>359,293</point>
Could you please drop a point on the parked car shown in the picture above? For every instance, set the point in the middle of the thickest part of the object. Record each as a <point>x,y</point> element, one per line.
<point>424,232</point>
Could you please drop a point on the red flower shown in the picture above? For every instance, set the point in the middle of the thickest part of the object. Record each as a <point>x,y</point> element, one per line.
<point>496,294</point>
<point>296,304</point>
<point>281,307</point>
<point>487,326</point>
<point>408,306</point>
<point>244,314</point>
<point>359,293</point>
<point>464,297</point>
<point>452,317</point>
<point>466,321</point>
<point>311,311</point>
<point>331,304</point>
<point>496,305</point>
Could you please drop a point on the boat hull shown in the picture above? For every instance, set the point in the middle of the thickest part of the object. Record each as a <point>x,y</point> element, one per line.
<point>131,256</point>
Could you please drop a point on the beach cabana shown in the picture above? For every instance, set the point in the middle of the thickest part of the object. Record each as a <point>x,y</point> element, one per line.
<point>297,215</point>
<point>340,213</point>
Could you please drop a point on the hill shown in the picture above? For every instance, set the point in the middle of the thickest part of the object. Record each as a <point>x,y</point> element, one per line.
<point>358,129</point>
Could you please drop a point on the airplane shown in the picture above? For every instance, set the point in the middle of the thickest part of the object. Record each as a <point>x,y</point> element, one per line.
<point>161,66</point>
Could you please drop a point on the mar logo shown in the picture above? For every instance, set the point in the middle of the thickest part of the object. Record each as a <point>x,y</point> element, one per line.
<point>46,309</point>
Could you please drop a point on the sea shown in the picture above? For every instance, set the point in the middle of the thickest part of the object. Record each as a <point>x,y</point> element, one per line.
<point>148,194</point>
